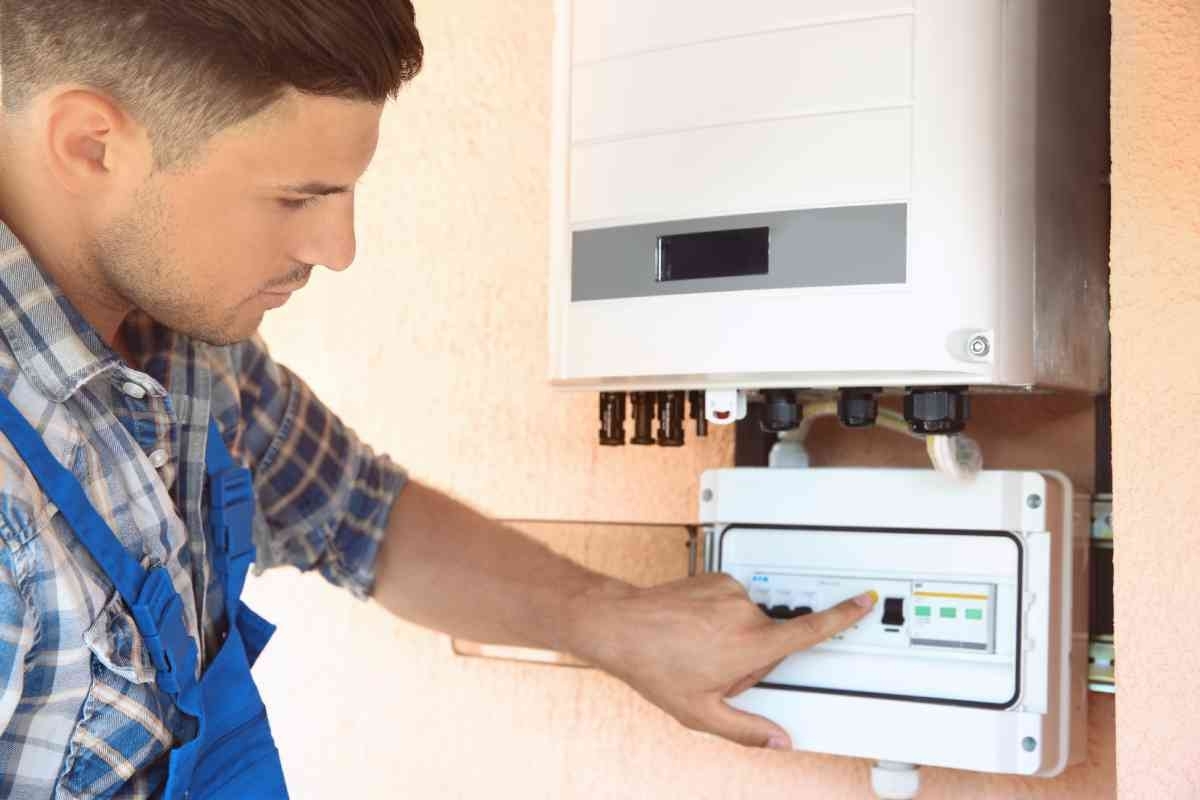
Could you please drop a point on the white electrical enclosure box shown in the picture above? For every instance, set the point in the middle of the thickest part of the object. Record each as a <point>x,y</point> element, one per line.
<point>976,655</point>
<point>829,193</point>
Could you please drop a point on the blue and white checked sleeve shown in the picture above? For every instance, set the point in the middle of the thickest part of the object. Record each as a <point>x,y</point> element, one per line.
<point>324,496</point>
<point>16,638</point>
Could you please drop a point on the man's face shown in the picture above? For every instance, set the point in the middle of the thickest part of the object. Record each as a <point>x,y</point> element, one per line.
<point>208,248</point>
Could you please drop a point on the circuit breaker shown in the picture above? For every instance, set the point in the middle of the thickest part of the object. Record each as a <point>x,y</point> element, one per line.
<point>975,655</point>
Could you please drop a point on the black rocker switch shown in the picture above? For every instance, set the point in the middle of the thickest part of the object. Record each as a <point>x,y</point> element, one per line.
<point>893,611</point>
<point>787,612</point>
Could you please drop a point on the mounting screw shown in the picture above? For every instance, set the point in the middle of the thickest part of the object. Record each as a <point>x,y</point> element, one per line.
<point>1029,744</point>
<point>979,346</point>
<point>1034,501</point>
<point>707,495</point>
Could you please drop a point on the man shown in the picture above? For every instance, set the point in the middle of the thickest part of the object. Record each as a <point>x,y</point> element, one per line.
<point>171,170</point>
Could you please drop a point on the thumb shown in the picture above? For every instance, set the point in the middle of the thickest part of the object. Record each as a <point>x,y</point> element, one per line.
<point>745,729</point>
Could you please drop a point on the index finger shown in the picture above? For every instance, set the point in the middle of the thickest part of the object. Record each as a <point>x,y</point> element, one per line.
<point>802,633</point>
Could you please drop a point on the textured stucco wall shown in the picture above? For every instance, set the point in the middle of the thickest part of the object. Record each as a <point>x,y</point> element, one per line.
<point>1156,394</point>
<point>434,348</point>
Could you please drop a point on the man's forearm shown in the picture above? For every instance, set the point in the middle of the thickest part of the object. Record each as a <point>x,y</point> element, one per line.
<point>685,646</point>
<point>446,567</point>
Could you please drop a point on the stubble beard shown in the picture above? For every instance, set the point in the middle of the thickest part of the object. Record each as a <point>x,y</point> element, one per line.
<point>135,259</point>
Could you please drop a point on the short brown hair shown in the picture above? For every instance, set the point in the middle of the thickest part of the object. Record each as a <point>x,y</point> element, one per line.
<point>187,69</point>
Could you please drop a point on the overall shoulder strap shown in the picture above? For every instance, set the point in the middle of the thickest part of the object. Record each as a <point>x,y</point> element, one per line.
<point>231,517</point>
<point>150,595</point>
<point>65,492</point>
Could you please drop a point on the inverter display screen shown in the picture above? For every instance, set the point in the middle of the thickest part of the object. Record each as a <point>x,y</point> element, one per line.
<point>713,254</point>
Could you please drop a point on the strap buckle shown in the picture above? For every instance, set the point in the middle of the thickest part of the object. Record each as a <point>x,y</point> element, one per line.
<point>231,514</point>
<point>158,612</point>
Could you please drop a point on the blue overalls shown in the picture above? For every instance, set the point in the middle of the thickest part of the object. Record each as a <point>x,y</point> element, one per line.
<point>233,756</point>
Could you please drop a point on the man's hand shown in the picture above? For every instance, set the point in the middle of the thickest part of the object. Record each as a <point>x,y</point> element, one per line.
<point>689,645</point>
<point>684,646</point>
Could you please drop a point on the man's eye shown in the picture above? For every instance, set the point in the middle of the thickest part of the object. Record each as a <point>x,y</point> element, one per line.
<point>296,205</point>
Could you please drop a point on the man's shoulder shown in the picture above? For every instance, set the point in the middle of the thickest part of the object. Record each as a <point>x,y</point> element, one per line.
<point>24,508</point>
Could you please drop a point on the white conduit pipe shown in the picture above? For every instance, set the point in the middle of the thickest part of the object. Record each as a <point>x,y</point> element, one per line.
<point>958,456</point>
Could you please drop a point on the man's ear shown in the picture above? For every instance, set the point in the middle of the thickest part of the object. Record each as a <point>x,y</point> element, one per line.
<point>92,147</point>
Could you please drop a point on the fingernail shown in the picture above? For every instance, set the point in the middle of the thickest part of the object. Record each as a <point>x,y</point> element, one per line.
<point>778,742</point>
<point>867,599</point>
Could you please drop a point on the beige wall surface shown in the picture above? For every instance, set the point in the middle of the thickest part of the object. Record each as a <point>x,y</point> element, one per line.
<point>434,348</point>
<point>1156,394</point>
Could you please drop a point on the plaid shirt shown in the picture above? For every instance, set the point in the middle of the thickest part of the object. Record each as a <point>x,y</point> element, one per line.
<point>82,716</point>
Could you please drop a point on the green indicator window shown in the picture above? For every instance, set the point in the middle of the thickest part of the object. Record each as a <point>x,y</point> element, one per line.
<point>948,613</point>
<point>923,611</point>
<point>974,613</point>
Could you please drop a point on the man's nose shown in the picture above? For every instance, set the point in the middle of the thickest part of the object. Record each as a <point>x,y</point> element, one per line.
<point>331,241</point>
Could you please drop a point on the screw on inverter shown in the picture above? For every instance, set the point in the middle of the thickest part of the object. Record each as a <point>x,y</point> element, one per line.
<point>612,419</point>
<point>643,417</point>
<point>670,418</point>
